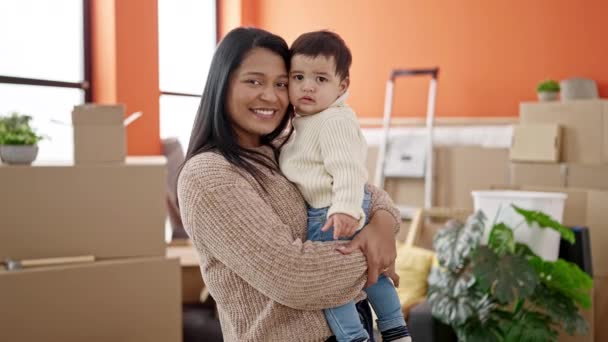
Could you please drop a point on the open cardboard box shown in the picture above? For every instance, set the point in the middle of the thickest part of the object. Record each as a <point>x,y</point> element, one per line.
<point>100,133</point>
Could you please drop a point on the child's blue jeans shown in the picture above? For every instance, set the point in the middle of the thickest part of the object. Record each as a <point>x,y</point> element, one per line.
<point>344,320</point>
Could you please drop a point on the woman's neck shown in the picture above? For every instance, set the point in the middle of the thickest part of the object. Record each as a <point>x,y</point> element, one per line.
<point>249,141</point>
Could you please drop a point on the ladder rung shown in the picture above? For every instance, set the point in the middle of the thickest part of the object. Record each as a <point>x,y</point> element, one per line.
<point>407,211</point>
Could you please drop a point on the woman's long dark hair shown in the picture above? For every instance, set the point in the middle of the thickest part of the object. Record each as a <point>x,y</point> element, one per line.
<point>212,130</point>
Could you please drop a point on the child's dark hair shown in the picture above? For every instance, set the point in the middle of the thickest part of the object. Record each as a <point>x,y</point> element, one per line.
<point>324,43</point>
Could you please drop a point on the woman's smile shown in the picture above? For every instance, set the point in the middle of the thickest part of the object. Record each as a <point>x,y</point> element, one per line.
<point>264,113</point>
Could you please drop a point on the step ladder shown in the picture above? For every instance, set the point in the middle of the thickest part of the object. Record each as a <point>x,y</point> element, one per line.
<point>408,211</point>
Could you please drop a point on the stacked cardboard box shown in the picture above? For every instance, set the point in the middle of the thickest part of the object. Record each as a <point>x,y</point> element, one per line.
<point>193,287</point>
<point>109,210</point>
<point>106,210</point>
<point>462,169</point>
<point>134,299</point>
<point>576,165</point>
<point>584,125</point>
<point>536,143</point>
<point>583,147</point>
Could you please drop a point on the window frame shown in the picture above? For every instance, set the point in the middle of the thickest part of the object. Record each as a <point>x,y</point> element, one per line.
<point>86,83</point>
<point>217,39</point>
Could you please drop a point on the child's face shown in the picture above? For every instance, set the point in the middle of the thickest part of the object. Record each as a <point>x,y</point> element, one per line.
<point>313,84</point>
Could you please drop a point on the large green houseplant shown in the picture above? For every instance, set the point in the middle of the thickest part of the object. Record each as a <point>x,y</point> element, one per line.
<point>502,291</point>
<point>18,140</point>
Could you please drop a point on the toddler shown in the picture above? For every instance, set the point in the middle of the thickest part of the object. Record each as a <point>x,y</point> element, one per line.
<point>325,158</point>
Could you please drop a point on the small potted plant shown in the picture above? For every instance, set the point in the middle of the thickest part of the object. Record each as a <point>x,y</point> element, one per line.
<point>18,140</point>
<point>547,90</point>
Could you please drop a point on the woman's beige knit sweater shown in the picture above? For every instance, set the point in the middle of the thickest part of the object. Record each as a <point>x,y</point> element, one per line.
<point>268,284</point>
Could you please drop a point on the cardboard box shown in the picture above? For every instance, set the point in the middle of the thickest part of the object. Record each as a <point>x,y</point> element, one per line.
<point>192,281</point>
<point>406,191</point>
<point>587,176</point>
<point>589,316</point>
<point>600,304</point>
<point>584,127</point>
<point>104,210</point>
<point>538,174</point>
<point>372,159</point>
<point>120,300</point>
<point>462,169</point>
<point>597,221</point>
<point>536,143</point>
<point>99,133</point>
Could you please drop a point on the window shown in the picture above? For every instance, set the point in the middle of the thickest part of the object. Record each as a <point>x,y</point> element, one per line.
<point>187,40</point>
<point>45,67</point>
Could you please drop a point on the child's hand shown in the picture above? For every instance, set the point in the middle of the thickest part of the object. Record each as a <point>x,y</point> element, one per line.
<point>391,273</point>
<point>344,225</point>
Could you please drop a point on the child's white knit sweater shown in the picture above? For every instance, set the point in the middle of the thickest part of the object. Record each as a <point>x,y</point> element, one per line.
<point>325,158</point>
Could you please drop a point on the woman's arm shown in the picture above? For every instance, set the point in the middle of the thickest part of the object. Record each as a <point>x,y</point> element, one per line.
<point>377,240</point>
<point>382,201</point>
<point>235,225</point>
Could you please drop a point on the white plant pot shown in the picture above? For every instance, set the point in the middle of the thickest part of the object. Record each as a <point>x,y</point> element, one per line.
<point>578,88</point>
<point>544,242</point>
<point>546,96</point>
<point>18,154</point>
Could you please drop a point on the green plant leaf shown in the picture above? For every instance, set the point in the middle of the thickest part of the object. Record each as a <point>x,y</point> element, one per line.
<point>545,221</point>
<point>508,277</point>
<point>523,250</point>
<point>16,130</point>
<point>548,85</point>
<point>485,306</point>
<point>501,239</point>
<point>456,241</point>
<point>566,278</point>
<point>450,296</point>
<point>560,309</point>
<point>479,332</point>
<point>529,326</point>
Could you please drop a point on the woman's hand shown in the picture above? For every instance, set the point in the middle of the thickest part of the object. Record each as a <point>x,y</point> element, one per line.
<point>377,242</point>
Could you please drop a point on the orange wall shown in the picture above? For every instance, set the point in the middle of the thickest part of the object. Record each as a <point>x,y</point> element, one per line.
<point>491,53</point>
<point>228,16</point>
<point>125,66</point>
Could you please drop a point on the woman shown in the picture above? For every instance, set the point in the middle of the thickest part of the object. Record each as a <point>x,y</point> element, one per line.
<point>248,222</point>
